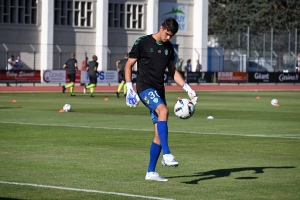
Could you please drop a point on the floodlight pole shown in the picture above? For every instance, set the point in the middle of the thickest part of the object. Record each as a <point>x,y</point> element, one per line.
<point>59,57</point>
<point>248,42</point>
<point>6,49</point>
<point>296,50</point>
<point>272,48</point>
<point>33,49</point>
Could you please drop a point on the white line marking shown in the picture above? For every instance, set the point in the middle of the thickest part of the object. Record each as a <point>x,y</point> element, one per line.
<point>133,129</point>
<point>83,190</point>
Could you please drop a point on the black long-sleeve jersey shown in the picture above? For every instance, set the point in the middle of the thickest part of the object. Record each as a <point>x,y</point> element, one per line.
<point>152,60</point>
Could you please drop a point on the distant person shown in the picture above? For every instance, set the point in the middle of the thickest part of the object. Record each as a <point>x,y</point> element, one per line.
<point>11,62</point>
<point>120,64</point>
<point>92,72</point>
<point>18,63</point>
<point>10,65</point>
<point>187,68</point>
<point>71,67</point>
<point>179,64</point>
<point>198,66</point>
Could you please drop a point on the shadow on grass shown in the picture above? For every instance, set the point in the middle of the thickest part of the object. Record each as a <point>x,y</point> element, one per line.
<point>10,107</point>
<point>5,198</point>
<point>220,173</point>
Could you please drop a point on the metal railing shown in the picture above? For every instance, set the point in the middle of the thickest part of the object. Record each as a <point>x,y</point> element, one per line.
<point>252,50</point>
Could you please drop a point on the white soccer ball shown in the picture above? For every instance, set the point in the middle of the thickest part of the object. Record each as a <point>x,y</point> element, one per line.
<point>274,102</point>
<point>184,108</point>
<point>67,107</point>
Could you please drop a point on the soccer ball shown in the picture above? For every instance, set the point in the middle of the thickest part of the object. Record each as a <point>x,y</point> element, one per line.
<point>184,108</point>
<point>274,102</point>
<point>67,107</point>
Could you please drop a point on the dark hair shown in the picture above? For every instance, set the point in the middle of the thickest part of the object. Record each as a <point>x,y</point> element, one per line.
<point>126,54</point>
<point>170,24</point>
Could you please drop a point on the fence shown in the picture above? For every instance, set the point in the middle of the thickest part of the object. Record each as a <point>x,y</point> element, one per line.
<point>251,50</point>
<point>248,51</point>
<point>31,54</point>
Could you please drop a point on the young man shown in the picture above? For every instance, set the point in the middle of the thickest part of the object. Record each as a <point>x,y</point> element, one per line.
<point>187,68</point>
<point>91,69</point>
<point>19,63</point>
<point>120,64</point>
<point>10,65</point>
<point>198,66</point>
<point>11,62</point>
<point>153,54</point>
<point>71,66</point>
<point>179,64</point>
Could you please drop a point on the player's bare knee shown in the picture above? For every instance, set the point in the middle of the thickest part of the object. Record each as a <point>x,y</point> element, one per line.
<point>162,111</point>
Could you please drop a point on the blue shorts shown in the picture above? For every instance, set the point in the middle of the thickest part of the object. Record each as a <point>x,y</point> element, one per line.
<point>151,100</point>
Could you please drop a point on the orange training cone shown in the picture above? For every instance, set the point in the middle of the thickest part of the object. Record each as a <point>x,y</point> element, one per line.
<point>14,101</point>
<point>105,99</point>
<point>61,111</point>
<point>258,97</point>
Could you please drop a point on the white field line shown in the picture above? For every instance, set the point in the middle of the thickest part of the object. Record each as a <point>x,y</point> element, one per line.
<point>83,190</point>
<point>171,131</point>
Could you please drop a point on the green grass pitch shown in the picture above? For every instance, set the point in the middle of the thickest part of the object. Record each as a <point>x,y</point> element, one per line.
<point>100,150</point>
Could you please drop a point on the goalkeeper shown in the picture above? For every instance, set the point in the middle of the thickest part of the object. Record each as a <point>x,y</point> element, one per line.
<point>153,54</point>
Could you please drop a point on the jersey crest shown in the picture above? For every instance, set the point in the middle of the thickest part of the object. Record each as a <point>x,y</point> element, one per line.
<point>166,52</point>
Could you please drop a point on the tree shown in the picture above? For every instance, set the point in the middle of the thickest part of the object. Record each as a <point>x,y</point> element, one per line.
<point>229,19</point>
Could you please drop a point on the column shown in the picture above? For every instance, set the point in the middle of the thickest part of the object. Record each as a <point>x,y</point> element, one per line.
<point>152,16</point>
<point>200,31</point>
<point>47,27</point>
<point>102,50</point>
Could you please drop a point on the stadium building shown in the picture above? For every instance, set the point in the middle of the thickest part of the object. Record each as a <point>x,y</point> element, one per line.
<point>45,32</point>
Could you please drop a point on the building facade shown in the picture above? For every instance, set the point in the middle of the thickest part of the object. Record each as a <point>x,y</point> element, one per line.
<point>45,32</point>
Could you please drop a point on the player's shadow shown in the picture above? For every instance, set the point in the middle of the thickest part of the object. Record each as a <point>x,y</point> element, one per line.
<point>9,107</point>
<point>220,173</point>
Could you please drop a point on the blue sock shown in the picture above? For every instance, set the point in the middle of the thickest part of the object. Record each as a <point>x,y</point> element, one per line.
<point>154,154</point>
<point>162,128</point>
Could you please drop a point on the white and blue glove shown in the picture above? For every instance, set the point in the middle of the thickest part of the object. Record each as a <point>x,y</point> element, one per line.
<point>192,94</point>
<point>132,99</point>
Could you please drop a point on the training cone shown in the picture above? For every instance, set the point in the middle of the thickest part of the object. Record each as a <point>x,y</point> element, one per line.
<point>105,99</point>
<point>61,111</point>
<point>14,101</point>
<point>277,105</point>
<point>258,97</point>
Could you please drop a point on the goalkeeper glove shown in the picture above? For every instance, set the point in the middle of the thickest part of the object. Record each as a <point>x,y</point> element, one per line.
<point>192,94</point>
<point>132,99</point>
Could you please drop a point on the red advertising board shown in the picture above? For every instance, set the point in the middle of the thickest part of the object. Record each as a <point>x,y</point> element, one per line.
<point>232,77</point>
<point>78,77</point>
<point>20,76</point>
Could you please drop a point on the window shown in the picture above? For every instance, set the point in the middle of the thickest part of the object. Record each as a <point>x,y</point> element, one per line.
<point>73,13</point>
<point>128,15</point>
<point>18,11</point>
